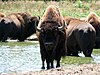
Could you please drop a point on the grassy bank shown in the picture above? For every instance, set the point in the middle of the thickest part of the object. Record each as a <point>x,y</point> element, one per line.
<point>12,44</point>
<point>37,8</point>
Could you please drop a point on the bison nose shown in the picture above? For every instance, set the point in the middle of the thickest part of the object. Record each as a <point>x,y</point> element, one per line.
<point>49,44</point>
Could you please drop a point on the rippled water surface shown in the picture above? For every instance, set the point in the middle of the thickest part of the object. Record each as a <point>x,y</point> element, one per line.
<point>22,58</point>
<point>17,58</point>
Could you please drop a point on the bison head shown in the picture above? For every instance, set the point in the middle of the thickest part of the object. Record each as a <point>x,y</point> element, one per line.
<point>96,24</point>
<point>50,32</point>
<point>33,22</point>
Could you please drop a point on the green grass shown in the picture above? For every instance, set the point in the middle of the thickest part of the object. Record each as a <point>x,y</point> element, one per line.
<point>76,60</point>
<point>37,8</point>
<point>17,43</point>
<point>96,52</point>
<point>79,60</point>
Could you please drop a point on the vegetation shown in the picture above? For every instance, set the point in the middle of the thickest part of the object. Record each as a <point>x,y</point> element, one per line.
<point>76,60</point>
<point>37,8</point>
<point>17,43</point>
<point>96,52</point>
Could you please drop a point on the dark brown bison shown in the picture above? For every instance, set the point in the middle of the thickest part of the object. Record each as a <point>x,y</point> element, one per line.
<point>80,37</point>
<point>52,37</point>
<point>94,20</point>
<point>17,26</point>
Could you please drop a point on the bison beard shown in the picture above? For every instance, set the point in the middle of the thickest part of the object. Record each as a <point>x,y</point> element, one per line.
<point>52,36</point>
<point>50,40</point>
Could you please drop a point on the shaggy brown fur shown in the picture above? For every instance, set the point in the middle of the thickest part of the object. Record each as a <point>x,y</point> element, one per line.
<point>21,26</point>
<point>52,14</point>
<point>80,37</point>
<point>94,20</point>
<point>68,19</point>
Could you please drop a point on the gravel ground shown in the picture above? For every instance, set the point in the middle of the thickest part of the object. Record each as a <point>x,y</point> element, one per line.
<point>85,69</point>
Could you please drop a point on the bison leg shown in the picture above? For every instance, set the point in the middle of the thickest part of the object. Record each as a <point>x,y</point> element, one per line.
<point>4,39</point>
<point>43,55</point>
<point>88,52</point>
<point>97,45</point>
<point>68,53</point>
<point>52,66</point>
<point>43,67</point>
<point>0,38</point>
<point>43,59</point>
<point>21,40</point>
<point>70,50</point>
<point>48,64</point>
<point>58,63</point>
<point>75,52</point>
<point>85,52</point>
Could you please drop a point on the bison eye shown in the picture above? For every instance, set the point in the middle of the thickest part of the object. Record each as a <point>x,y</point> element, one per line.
<point>43,34</point>
<point>55,29</point>
<point>92,23</point>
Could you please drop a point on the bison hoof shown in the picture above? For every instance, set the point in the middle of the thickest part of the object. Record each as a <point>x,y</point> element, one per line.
<point>52,66</point>
<point>48,68</point>
<point>4,41</point>
<point>57,66</point>
<point>88,56</point>
<point>42,67</point>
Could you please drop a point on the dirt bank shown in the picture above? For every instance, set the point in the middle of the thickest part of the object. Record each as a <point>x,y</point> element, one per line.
<point>86,69</point>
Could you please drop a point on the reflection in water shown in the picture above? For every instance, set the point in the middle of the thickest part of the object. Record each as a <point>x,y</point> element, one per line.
<point>14,59</point>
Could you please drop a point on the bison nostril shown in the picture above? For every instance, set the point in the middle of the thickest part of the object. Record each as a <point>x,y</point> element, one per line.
<point>48,44</point>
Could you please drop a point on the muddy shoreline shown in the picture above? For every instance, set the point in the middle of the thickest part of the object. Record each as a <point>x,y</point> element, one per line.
<point>85,69</point>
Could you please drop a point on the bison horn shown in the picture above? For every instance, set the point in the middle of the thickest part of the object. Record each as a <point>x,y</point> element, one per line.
<point>38,29</point>
<point>62,27</point>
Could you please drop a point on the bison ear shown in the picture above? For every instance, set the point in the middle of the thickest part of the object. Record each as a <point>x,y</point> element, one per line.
<point>31,19</point>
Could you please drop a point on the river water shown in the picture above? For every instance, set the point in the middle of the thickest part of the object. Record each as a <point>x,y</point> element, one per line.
<point>23,58</point>
<point>17,58</point>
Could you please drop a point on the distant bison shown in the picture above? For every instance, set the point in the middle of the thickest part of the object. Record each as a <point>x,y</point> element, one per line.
<point>2,14</point>
<point>94,20</point>
<point>52,37</point>
<point>80,37</point>
<point>17,26</point>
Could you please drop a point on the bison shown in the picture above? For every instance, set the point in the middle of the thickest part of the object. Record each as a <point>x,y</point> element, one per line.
<point>52,37</point>
<point>2,14</point>
<point>80,36</point>
<point>17,26</point>
<point>94,20</point>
